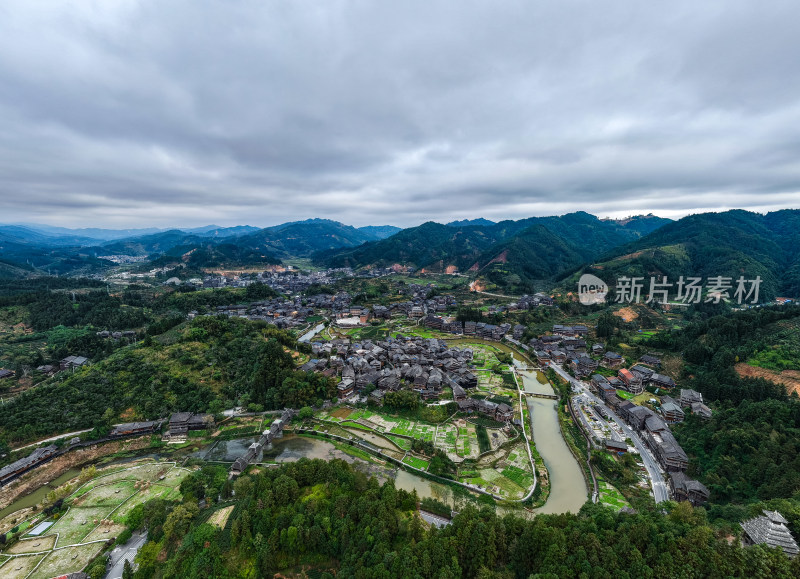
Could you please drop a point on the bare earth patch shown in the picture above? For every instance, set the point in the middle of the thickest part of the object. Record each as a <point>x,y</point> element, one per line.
<point>220,518</point>
<point>627,314</point>
<point>789,378</point>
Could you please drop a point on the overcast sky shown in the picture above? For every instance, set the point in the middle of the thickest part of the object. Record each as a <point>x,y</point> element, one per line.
<point>159,113</point>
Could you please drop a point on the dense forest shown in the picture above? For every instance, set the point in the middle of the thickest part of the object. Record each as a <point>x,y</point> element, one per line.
<point>196,366</point>
<point>330,518</point>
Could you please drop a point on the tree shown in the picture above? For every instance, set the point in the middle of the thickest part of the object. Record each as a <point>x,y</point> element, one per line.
<point>127,570</point>
<point>305,413</point>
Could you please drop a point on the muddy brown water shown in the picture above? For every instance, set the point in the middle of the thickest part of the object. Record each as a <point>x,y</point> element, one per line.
<point>568,490</point>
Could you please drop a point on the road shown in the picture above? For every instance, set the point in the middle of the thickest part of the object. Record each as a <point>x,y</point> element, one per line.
<point>660,492</point>
<point>124,553</point>
<point>53,439</point>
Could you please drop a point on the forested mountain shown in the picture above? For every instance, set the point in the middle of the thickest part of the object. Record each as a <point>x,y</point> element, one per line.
<point>732,244</point>
<point>470,222</point>
<point>421,246</point>
<point>377,232</point>
<point>303,238</point>
<point>187,369</point>
<point>534,254</point>
<point>35,255</point>
<point>533,248</point>
<point>219,232</point>
<point>148,244</point>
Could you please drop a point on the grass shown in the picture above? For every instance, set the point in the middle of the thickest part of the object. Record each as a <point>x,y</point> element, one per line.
<point>624,395</point>
<point>403,443</point>
<point>63,561</point>
<point>416,462</point>
<point>77,523</point>
<point>19,567</point>
<point>483,439</point>
<point>520,477</point>
<point>610,496</point>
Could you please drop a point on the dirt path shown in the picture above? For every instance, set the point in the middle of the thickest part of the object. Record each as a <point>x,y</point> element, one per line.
<point>789,378</point>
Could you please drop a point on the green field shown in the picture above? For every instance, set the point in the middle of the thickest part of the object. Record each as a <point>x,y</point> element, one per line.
<point>416,462</point>
<point>611,497</point>
<point>403,443</point>
<point>624,395</point>
<point>517,475</point>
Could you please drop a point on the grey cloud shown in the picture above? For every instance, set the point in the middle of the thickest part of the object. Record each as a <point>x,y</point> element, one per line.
<point>183,113</point>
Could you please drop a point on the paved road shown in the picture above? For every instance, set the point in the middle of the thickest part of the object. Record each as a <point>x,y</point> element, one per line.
<point>660,492</point>
<point>53,438</point>
<point>124,553</point>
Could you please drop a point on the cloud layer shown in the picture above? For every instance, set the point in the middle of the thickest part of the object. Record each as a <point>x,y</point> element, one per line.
<point>153,113</point>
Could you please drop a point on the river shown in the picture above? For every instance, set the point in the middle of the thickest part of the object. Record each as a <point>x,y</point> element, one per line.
<point>568,489</point>
<point>37,496</point>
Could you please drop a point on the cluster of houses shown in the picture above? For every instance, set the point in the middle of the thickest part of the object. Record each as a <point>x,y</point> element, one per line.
<point>425,365</point>
<point>116,336</point>
<point>527,302</point>
<point>499,411</point>
<point>68,363</point>
<point>292,282</point>
<point>655,431</point>
<point>279,312</point>
<point>275,431</point>
<point>477,329</point>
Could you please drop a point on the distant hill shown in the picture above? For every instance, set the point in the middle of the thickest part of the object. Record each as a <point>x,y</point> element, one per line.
<point>544,246</point>
<point>220,232</point>
<point>731,244</point>
<point>11,270</point>
<point>428,245</point>
<point>377,232</point>
<point>94,233</point>
<point>28,236</point>
<point>24,253</point>
<point>148,244</point>
<point>470,222</point>
<point>216,254</point>
<point>304,238</point>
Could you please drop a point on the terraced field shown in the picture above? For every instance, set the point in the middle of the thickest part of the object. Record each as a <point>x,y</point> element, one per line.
<point>96,512</point>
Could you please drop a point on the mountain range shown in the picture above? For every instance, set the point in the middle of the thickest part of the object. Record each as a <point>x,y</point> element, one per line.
<point>513,255</point>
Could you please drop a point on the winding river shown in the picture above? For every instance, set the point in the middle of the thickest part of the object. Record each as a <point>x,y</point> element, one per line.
<point>568,489</point>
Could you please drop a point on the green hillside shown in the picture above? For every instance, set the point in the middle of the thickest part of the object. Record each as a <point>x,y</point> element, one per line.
<point>731,244</point>
<point>304,238</point>
<point>531,249</point>
<point>194,367</point>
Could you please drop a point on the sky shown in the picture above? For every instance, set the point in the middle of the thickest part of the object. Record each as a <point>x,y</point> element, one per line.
<point>189,112</point>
